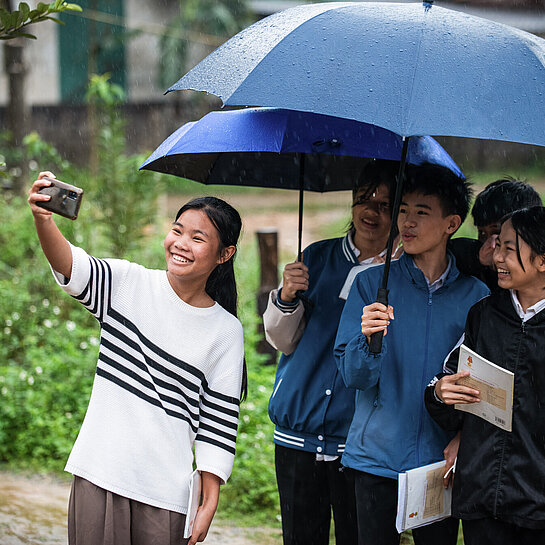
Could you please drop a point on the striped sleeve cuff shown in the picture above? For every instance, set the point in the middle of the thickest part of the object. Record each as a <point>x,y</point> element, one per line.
<point>284,306</point>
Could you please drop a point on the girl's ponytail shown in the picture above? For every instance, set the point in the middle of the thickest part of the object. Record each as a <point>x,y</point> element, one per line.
<point>221,285</point>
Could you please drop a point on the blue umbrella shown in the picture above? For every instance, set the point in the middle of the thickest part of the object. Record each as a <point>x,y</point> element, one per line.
<point>269,147</point>
<point>413,68</point>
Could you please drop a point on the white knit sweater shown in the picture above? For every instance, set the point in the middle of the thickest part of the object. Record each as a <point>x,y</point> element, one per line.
<point>168,378</point>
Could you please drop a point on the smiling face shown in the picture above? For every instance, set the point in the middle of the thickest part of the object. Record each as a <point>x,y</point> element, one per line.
<point>511,274</point>
<point>192,247</point>
<point>422,224</point>
<point>371,216</point>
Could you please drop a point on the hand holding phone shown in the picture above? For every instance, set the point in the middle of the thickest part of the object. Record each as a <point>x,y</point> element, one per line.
<point>65,198</point>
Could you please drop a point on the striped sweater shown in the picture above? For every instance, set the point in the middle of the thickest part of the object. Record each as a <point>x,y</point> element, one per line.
<point>168,379</point>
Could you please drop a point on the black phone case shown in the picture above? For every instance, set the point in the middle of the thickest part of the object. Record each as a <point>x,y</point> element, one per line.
<point>65,198</point>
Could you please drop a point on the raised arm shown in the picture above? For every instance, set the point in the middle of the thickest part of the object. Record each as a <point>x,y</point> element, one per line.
<point>55,247</point>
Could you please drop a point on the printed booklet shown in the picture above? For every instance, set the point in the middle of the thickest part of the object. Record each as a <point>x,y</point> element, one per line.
<point>422,498</point>
<point>495,385</point>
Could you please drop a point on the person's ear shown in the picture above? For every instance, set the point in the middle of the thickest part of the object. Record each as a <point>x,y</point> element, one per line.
<point>226,254</point>
<point>454,222</point>
<point>539,262</point>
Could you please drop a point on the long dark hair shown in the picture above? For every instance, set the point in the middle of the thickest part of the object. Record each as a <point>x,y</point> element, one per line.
<point>376,172</point>
<point>221,285</point>
<point>529,225</point>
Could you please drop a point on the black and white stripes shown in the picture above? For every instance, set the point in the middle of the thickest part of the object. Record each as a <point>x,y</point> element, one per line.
<point>130,360</point>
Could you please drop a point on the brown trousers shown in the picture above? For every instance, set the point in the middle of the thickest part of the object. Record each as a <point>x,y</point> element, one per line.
<point>99,517</point>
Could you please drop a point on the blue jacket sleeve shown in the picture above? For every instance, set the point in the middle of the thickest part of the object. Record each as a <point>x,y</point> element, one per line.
<point>358,367</point>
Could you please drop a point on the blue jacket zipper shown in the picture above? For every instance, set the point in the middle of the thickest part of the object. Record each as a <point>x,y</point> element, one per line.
<point>423,378</point>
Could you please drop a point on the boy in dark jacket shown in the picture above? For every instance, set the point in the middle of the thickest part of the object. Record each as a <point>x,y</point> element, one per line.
<point>391,431</point>
<point>495,201</point>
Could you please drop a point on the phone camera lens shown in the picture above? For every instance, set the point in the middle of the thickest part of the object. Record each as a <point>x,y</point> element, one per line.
<point>72,195</point>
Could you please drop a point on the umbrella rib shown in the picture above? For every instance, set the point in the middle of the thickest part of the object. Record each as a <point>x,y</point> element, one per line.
<point>413,79</point>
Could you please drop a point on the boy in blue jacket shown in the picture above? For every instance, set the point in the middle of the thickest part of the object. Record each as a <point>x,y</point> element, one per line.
<point>391,430</point>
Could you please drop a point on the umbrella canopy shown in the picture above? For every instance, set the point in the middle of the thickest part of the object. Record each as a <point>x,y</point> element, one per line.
<point>270,147</point>
<point>263,147</point>
<point>415,69</point>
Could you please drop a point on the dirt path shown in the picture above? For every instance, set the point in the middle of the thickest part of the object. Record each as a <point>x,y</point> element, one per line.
<point>33,512</point>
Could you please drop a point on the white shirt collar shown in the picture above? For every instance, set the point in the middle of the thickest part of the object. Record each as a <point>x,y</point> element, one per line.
<point>530,311</point>
<point>434,286</point>
<point>357,252</point>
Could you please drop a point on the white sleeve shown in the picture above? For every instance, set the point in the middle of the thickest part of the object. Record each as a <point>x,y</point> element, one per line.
<point>92,280</point>
<point>215,441</point>
<point>283,330</point>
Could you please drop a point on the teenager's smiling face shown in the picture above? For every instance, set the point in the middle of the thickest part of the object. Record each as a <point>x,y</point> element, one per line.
<point>192,246</point>
<point>371,215</point>
<point>422,223</point>
<point>511,275</point>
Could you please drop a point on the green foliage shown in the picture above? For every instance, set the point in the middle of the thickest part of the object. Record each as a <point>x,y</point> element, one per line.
<point>12,23</point>
<point>126,199</point>
<point>252,487</point>
<point>33,150</point>
<point>47,350</point>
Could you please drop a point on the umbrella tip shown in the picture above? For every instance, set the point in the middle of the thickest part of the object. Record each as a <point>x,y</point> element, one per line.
<point>427,4</point>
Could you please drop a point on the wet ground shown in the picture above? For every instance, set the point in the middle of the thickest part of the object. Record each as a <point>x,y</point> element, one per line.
<point>33,512</point>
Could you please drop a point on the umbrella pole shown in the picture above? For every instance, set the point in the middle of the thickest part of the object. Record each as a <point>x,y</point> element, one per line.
<point>375,346</point>
<point>301,192</point>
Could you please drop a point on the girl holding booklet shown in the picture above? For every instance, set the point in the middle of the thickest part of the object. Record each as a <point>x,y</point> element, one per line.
<point>168,380</point>
<point>499,487</point>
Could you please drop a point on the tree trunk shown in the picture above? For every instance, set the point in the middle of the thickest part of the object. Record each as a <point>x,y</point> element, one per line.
<point>17,111</point>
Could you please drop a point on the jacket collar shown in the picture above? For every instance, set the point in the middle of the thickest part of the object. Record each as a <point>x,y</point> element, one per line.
<point>503,302</point>
<point>347,245</point>
<point>417,277</point>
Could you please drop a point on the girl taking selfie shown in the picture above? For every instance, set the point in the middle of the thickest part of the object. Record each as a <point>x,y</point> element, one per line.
<point>168,381</point>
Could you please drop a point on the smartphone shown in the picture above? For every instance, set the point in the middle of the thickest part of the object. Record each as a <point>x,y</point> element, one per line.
<point>65,198</point>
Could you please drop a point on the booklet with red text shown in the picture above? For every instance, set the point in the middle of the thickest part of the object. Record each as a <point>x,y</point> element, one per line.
<point>422,498</point>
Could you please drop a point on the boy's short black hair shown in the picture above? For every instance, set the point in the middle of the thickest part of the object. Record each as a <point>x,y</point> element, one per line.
<point>503,197</point>
<point>453,191</point>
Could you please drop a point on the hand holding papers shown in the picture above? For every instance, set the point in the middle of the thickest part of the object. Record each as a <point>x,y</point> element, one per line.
<point>495,385</point>
<point>422,498</point>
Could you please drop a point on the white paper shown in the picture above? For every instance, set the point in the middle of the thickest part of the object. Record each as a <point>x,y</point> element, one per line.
<point>495,385</point>
<point>422,498</point>
<point>193,504</point>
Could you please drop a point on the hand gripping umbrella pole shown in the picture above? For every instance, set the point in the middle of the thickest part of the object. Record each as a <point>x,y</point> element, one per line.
<point>375,345</point>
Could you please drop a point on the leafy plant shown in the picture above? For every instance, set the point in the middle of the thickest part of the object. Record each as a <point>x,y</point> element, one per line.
<point>126,199</point>
<point>12,23</point>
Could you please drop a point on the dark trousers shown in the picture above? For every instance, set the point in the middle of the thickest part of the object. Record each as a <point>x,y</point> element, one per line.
<point>309,490</point>
<point>376,501</point>
<point>489,531</point>
<point>99,517</point>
